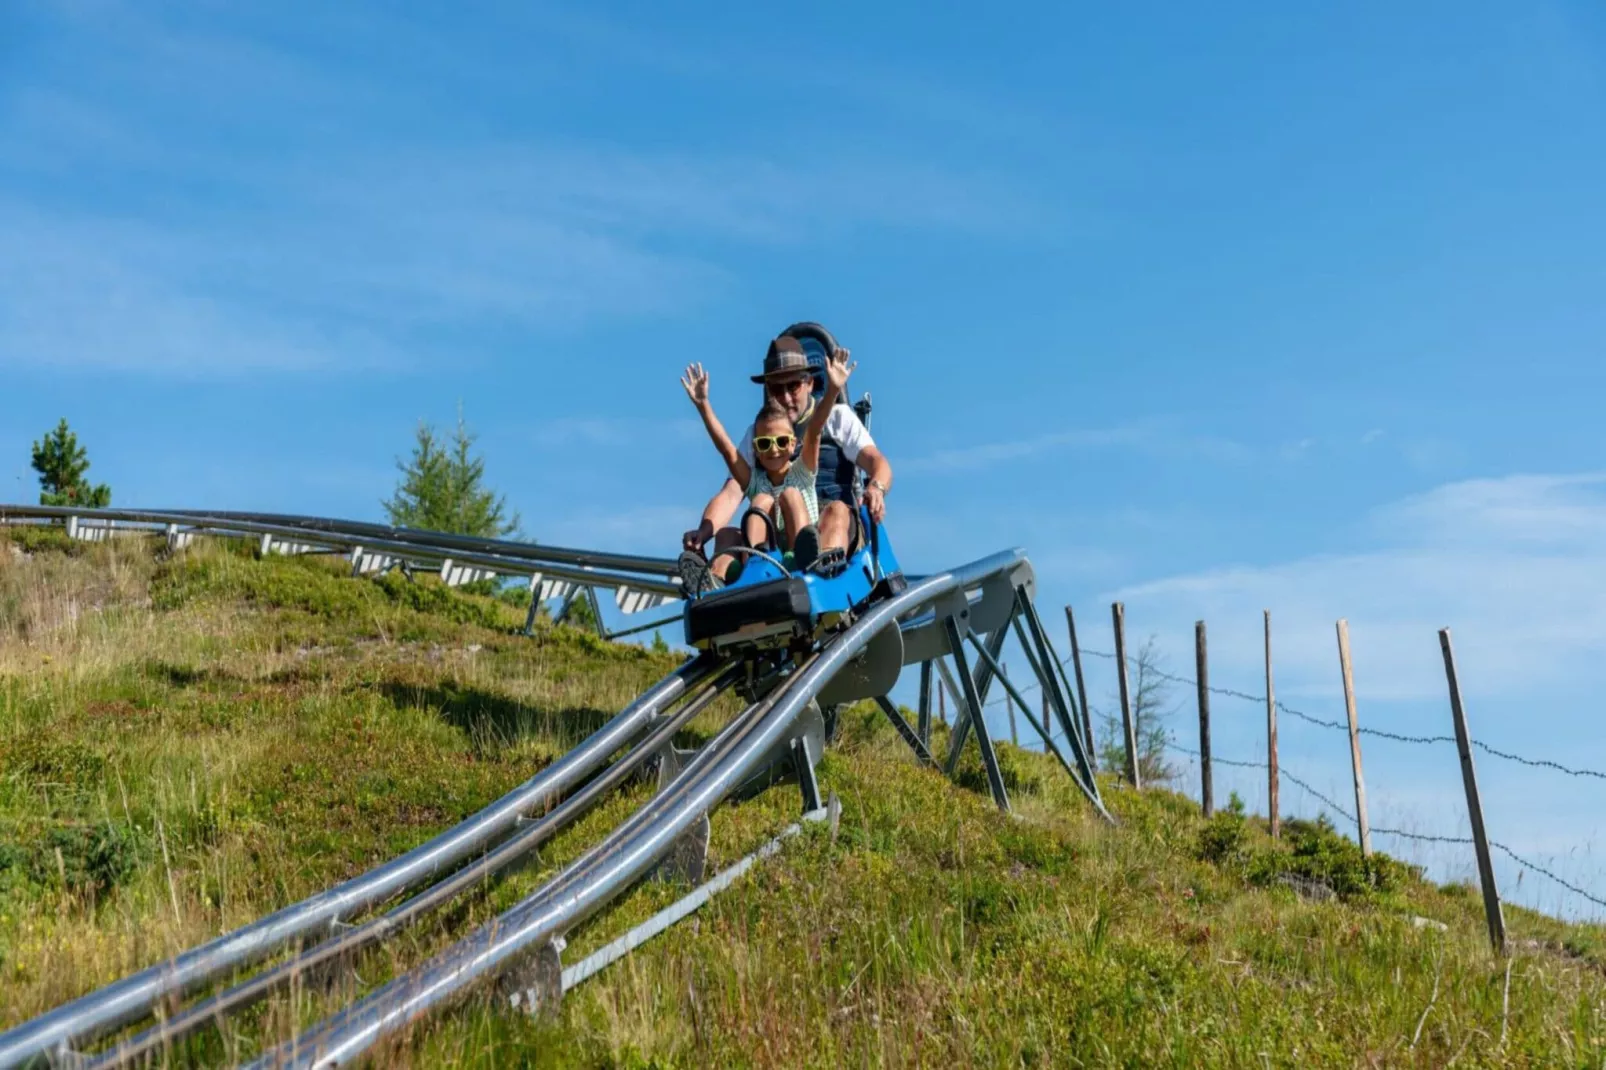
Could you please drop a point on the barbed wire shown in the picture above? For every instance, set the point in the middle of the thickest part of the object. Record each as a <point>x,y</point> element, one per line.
<point>1380,733</point>
<point>1571,887</point>
<point>1419,837</point>
<point>1282,774</point>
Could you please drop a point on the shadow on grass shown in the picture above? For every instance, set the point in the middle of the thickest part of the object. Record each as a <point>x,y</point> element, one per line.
<point>177,675</point>
<point>490,719</point>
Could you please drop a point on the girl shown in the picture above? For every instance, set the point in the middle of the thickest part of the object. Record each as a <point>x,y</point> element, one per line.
<point>778,486</point>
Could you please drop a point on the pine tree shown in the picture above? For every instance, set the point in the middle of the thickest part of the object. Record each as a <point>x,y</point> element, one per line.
<point>61,463</point>
<point>441,490</point>
<point>1151,708</point>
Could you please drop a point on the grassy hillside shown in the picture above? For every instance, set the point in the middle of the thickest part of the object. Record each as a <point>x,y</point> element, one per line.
<point>187,744</point>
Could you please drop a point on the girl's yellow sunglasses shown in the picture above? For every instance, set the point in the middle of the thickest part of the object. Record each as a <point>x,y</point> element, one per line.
<point>773,443</point>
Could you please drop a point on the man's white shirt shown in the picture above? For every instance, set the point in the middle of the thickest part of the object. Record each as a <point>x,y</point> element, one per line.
<point>843,426</point>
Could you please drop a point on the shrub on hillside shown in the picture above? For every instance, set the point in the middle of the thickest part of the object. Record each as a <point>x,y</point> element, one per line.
<point>1313,852</point>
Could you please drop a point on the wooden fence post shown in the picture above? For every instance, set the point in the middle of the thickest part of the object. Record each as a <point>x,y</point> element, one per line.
<point>1206,796</point>
<point>1354,739</point>
<point>1469,777</point>
<point>1081,689</point>
<point>1271,738</point>
<point>1118,617</point>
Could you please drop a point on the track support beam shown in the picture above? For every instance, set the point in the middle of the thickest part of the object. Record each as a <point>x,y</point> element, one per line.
<point>989,758</point>
<point>910,736</point>
<point>805,774</point>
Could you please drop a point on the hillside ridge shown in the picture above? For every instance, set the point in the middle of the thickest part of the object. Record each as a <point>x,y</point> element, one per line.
<point>190,741</point>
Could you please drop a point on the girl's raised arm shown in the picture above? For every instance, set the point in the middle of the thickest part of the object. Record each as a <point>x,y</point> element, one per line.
<point>696,383</point>
<point>837,370</point>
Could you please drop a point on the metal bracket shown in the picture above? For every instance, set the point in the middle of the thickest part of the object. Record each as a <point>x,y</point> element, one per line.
<point>535,986</point>
<point>671,760</point>
<point>688,856</point>
<point>806,780</point>
<point>65,1058</point>
<point>781,764</point>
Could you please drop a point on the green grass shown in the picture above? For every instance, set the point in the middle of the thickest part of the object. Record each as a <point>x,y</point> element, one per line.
<point>186,744</point>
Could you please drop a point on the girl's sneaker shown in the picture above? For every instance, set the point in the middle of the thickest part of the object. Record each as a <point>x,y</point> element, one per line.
<point>696,579</point>
<point>806,548</point>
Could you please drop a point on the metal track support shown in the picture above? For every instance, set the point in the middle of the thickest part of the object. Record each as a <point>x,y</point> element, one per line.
<point>805,774</point>
<point>982,682</point>
<point>989,759</point>
<point>1048,675</point>
<point>910,736</point>
<point>1087,788</point>
<point>535,986</point>
<point>923,728</point>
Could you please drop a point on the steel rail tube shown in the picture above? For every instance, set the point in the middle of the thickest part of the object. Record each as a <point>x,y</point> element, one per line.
<point>623,857</point>
<point>349,1033</point>
<point>361,531</point>
<point>204,522</point>
<point>134,997</point>
<point>534,551</point>
<point>349,943</point>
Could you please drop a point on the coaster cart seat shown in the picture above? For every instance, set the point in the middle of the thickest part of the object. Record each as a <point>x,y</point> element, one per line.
<point>769,607</point>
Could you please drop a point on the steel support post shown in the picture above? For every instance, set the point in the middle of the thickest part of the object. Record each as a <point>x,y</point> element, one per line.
<point>924,725</point>
<point>1045,676</point>
<point>989,759</point>
<point>596,614</point>
<point>805,774</point>
<point>983,681</point>
<point>1015,696</point>
<point>910,736</point>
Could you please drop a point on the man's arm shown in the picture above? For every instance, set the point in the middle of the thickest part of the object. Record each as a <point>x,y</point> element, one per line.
<point>721,507</point>
<point>878,480</point>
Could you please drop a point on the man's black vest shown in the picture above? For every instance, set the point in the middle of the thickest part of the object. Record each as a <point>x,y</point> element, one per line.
<point>834,480</point>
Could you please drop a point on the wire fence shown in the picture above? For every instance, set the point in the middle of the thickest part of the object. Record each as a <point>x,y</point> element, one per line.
<point>1521,860</point>
<point>1419,837</point>
<point>1339,726</point>
<point>1053,732</point>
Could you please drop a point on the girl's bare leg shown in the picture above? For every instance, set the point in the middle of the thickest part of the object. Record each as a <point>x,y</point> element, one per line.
<point>795,513</point>
<point>753,528</point>
<point>724,539</point>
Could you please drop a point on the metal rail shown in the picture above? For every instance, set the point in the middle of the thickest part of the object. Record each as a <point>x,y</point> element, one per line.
<point>344,946</point>
<point>926,621</point>
<point>662,566</point>
<point>415,547</point>
<point>750,744</point>
<point>137,996</point>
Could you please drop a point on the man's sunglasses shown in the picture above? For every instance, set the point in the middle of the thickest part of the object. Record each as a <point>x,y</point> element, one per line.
<point>773,443</point>
<point>786,386</point>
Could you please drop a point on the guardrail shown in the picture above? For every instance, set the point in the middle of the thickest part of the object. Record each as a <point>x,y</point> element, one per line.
<point>639,583</point>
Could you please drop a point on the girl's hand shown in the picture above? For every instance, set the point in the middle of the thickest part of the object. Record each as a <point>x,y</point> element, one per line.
<point>837,368</point>
<point>696,383</point>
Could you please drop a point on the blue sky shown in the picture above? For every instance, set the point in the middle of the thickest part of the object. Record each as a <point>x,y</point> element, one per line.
<point>1209,311</point>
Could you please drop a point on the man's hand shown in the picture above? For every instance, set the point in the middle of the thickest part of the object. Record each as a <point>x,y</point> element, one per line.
<point>696,383</point>
<point>837,368</point>
<point>876,502</point>
<point>698,537</point>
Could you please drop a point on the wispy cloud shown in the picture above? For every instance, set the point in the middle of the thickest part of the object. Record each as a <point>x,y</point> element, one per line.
<point>301,251</point>
<point>1150,439</point>
<point>612,431</point>
<point>1517,566</point>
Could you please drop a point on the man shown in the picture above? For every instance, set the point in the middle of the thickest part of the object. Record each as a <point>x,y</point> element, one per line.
<point>845,445</point>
